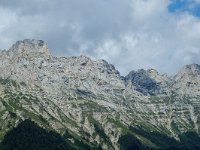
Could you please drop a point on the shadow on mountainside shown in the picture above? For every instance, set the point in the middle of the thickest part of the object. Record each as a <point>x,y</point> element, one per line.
<point>157,141</point>
<point>29,136</point>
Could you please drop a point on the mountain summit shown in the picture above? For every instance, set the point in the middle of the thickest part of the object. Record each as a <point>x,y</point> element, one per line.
<point>91,100</point>
<point>30,48</point>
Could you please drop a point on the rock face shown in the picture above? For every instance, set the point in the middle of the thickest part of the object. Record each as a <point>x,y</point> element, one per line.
<point>147,81</point>
<point>33,48</point>
<point>187,81</point>
<point>91,99</point>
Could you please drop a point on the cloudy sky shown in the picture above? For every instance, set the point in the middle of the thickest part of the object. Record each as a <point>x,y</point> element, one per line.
<point>131,34</point>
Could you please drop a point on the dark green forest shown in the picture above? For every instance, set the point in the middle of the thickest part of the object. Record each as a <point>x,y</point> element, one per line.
<point>188,141</point>
<point>29,136</point>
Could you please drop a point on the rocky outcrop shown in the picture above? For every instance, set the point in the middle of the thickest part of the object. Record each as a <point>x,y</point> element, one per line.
<point>187,81</point>
<point>148,82</point>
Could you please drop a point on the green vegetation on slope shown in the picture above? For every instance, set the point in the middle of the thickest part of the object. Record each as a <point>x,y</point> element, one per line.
<point>133,140</point>
<point>29,136</point>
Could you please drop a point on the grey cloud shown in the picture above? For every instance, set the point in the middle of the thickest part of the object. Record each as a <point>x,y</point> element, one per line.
<point>131,34</point>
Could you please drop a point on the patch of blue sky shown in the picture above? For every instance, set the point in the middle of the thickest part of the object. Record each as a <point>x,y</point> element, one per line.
<point>189,6</point>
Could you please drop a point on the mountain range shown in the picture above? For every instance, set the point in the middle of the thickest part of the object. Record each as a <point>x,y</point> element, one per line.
<point>89,101</point>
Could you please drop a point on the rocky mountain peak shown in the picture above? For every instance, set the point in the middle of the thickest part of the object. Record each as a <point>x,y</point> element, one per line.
<point>104,66</point>
<point>148,82</point>
<point>191,69</point>
<point>142,81</point>
<point>187,80</point>
<point>30,48</point>
<point>152,72</point>
<point>91,99</point>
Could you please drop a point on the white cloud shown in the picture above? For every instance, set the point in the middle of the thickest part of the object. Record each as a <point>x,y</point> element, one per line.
<point>131,34</point>
<point>146,10</point>
<point>7,17</point>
